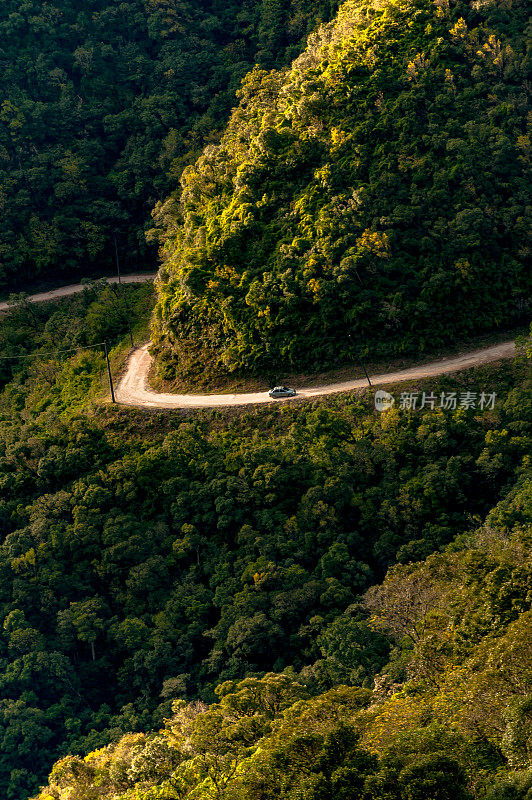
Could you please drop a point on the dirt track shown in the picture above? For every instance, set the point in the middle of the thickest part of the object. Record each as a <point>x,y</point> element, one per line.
<point>66,291</point>
<point>132,389</point>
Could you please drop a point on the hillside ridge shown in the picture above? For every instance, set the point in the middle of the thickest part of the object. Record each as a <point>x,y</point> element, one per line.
<point>378,189</point>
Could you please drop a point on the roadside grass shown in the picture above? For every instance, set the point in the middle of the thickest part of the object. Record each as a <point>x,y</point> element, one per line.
<point>152,424</point>
<point>49,284</point>
<point>73,384</point>
<point>209,382</point>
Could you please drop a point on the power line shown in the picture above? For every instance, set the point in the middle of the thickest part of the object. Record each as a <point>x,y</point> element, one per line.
<point>73,350</point>
<point>52,353</point>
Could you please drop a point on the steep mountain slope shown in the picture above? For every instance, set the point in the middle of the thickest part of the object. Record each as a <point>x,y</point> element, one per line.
<point>377,188</point>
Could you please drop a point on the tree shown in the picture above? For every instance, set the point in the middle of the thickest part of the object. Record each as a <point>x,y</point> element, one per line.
<point>86,619</point>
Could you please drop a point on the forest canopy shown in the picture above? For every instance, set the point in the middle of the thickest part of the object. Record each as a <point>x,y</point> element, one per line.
<point>377,189</point>
<point>293,604</point>
<point>307,600</point>
<point>148,558</point>
<point>103,103</point>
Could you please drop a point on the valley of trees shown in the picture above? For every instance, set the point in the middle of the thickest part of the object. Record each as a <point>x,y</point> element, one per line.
<point>103,103</point>
<point>377,188</point>
<point>307,601</point>
<point>150,563</point>
<point>451,711</point>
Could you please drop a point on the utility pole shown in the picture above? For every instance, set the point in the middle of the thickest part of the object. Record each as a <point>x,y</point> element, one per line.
<point>360,361</point>
<point>109,372</point>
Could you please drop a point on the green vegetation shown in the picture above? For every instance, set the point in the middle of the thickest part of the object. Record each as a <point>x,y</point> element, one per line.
<point>450,711</point>
<point>153,558</point>
<point>306,601</point>
<point>416,688</point>
<point>103,104</point>
<point>379,187</point>
<point>52,353</point>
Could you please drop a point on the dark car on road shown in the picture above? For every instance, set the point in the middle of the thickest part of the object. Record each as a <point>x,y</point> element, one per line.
<point>282,391</point>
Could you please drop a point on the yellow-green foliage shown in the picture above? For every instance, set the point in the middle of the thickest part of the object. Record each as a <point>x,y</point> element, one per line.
<point>53,353</point>
<point>148,558</point>
<point>463,705</point>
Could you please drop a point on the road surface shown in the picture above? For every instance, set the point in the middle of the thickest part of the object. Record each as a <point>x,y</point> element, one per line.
<point>133,390</point>
<point>66,291</point>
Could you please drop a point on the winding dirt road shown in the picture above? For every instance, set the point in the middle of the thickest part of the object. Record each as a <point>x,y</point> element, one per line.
<point>133,390</point>
<point>66,291</point>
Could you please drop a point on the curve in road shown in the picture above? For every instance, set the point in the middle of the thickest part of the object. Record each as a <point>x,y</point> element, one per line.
<point>66,291</point>
<point>133,387</point>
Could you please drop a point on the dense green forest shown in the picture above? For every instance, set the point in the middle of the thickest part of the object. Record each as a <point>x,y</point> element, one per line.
<point>304,601</point>
<point>379,188</point>
<point>104,102</point>
<point>445,732</point>
<point>149,558</point>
